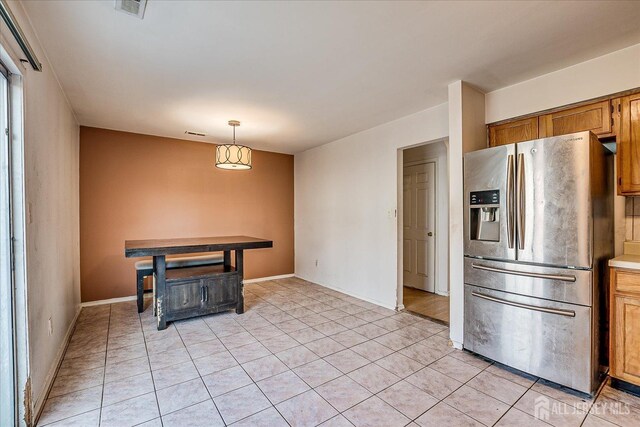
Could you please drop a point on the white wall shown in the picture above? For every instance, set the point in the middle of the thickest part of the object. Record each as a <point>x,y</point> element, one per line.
<point>51,166</point>
<point>466,133</point>
<point>611,73</point>
<point>436,151</point>
<point>344,189</point>
<point>346,195</point>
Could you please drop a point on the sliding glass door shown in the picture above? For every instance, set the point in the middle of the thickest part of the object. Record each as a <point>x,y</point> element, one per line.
<point>7,331</point>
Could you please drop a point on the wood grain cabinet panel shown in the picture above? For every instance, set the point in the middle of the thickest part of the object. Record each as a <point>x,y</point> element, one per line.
<point>184,296</point>
<point>627,281</point>
<point>594,117</point>
<point>624,354</point>
<point>629,146</point>
<point>626,364</point>
<point>221,291</point>
<point>516,131</point>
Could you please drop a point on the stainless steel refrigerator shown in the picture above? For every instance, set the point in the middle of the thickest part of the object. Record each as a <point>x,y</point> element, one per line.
<point>538,234</point>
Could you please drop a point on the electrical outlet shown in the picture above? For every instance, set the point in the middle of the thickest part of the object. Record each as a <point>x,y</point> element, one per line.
<point>50,327</point>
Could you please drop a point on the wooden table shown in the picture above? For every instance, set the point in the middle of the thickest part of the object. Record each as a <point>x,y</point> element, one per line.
<point>160,248</point>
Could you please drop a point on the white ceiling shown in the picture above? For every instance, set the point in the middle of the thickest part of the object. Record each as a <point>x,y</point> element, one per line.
<point>300,74</point>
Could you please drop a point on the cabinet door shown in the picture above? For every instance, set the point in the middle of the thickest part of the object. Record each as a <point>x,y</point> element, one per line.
<point>512,132</point>
<point>629,146</point>
<point>594,117</point>
<point>222,290</point>
<point>625,363</point>
<point>184,296</point>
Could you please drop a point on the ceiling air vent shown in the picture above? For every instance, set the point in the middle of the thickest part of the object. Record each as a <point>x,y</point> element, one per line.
<point>132,7</point>
<point>192,133</point>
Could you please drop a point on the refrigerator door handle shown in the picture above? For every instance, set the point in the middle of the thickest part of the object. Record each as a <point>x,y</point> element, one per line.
<point>559,277</point>
<point>568,313</point>
<point>511,235</point>
<point>520,200</point>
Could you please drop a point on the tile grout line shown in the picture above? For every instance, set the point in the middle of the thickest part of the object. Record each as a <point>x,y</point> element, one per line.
<point>439,400</point>
<point>252,380</point>
<point>328,300</point>
<point>290,369</point>
<point>86,388</point>
<point>104,376</point>
<point>339,413</point>
<point>402,379</point>
<point>516,402</point>
<point>600,390</point>
<point>285,333</point>
<point>153,381</point>
<point>369,361</point>
<point>199,375</point>
<point>436,360</point>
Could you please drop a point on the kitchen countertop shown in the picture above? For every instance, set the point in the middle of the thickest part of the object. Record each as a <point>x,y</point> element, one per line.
<point>626,261</point>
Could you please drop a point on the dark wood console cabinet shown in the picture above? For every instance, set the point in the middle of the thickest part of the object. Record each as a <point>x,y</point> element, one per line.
<point>197,291</point>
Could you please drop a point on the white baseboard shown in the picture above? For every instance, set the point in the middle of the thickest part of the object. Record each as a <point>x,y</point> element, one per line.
<point>343,291</point>
<point>147,295</point>
<point>39,401</point>
<point>264,279</point>
<point>456,344</point>
<point>400,307</point>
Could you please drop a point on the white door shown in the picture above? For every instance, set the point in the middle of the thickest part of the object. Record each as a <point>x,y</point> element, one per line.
<point>419,223</point>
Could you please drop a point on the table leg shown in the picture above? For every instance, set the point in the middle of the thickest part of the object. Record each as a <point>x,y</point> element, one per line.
<point>160,269</point>
<point>227,260</point>
<point>140,289</point>
<point>240,268</point>
<point>154,305</point>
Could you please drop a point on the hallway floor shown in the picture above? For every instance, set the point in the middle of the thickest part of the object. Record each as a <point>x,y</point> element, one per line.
<point>426,303</point>
<point>301,355</point>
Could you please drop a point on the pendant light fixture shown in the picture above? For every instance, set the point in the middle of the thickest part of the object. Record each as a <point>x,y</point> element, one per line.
<point>233,156</point>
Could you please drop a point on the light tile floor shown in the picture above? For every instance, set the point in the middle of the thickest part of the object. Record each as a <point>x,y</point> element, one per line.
<point>301,355</point>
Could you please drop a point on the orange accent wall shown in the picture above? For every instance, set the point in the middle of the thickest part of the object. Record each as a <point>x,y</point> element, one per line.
<point>136,186</point>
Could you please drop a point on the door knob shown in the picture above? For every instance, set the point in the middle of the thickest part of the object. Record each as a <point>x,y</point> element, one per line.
<point>430,234</point>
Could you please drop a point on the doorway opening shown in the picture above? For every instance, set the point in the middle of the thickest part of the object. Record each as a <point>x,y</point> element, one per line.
<point>424,287</point>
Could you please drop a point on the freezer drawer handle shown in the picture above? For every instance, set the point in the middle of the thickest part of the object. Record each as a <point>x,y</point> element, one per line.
<point>568,313</point>
<point>525,273</point>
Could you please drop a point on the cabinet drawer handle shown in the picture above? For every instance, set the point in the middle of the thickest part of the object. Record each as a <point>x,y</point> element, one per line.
<point>201,293</point>
<point>568,313</point>
<point>206,293</point>
<point>525,273</point>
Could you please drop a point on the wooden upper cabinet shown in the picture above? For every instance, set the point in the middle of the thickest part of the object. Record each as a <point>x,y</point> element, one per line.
<point>516,131</point>
<point>594,117</point>
<point>617,116</point>
<point>629,146</point>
